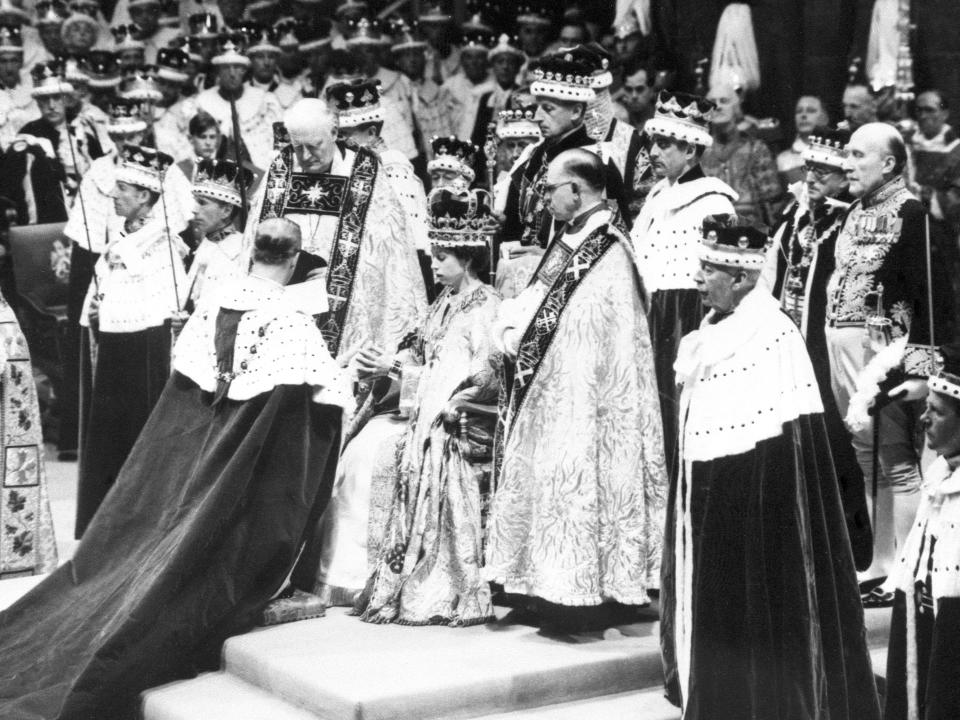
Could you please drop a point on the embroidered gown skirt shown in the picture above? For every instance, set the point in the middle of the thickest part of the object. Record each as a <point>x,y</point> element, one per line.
<point>27,544</point>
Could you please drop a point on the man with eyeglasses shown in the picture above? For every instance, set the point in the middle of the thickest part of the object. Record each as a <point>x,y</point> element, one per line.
<point>667,235</point>
<point>575,525</point>
<point>799,263</point>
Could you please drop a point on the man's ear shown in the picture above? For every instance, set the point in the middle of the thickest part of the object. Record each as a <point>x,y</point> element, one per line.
<point>583,111</point>
<point>889,163</point>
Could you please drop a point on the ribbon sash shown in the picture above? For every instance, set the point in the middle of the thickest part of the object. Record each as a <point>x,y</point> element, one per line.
<point>537,338</point>
<point>345,253</point>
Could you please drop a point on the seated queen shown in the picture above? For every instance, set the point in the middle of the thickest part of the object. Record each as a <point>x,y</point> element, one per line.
<point>425,567</point>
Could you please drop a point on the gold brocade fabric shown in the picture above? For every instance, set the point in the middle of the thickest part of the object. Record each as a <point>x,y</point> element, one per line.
<point>27,544</point>
<point>428,572</point>
<point>577,516</point>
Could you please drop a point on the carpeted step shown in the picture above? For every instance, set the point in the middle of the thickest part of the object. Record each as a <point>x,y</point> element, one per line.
<point>638,705</point>
<point>217,696</point>
<point>340,668</point>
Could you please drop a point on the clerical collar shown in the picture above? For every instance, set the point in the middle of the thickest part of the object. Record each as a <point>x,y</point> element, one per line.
<point>580,221</point>
<point>694,173</point>
<point>883,192</point>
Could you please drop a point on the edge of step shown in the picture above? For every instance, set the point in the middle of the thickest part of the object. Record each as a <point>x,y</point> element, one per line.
<point>216,696</point>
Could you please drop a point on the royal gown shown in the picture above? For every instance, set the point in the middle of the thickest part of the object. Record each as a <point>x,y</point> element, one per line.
<point>428,569</point>
<point>27,544</point>
<point>204,522</point>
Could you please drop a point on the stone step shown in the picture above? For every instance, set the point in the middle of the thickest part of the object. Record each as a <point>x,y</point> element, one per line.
<point>217,696</point>
<point>338,668</point>
<point>639,705</point>
<point>342,669</point>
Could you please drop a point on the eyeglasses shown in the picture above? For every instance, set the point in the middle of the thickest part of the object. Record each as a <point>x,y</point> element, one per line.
<point>820,171</point>
<point>549,189</point>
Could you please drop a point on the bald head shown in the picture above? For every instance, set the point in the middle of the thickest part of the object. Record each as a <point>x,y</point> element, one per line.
<point>583,166</point>
<point>877,155</point>
<point>575,182</point>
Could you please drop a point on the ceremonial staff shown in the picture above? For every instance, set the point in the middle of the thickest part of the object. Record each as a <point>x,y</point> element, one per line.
<point>83,208</point>
<point>235,122</point>
<point>490,156</point>
<point>146,92</point>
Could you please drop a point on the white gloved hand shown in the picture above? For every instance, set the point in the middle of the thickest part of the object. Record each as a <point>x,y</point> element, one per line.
<point>912,389</point>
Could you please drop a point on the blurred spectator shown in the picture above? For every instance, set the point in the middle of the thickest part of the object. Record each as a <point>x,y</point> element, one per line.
<point>935,159</point>
<point>743,162</point>
<point>859,106</point>
<point>808,115</point>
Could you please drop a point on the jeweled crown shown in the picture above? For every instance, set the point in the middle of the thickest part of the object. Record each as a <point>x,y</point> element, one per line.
<point>518,122</point>
<point>139,85</point>
<point>357,95</point>
<point>563,76</point>
<point>202,25</point>
<point>463,150</point>
<point>364,32</point>
<point>261,38</point>
<point>50,13</point>
<point>460,218</point>
<point>127,36</point>
<point>10,39</point>
<point>143,166</point>
<point>533,14</point>
<point>726,241</point>
<point>828,146</point>
<point>102,68</point>
<point>221,180</point>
